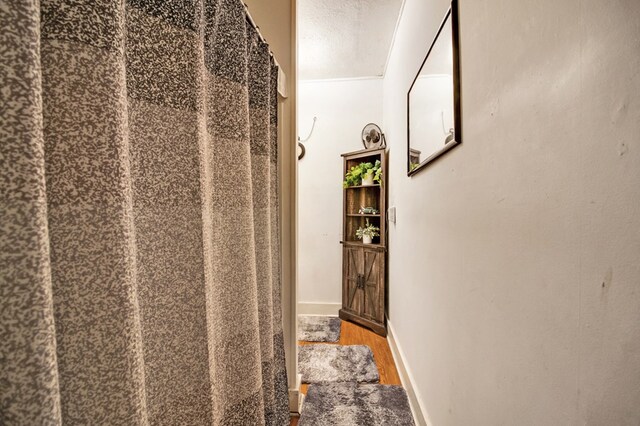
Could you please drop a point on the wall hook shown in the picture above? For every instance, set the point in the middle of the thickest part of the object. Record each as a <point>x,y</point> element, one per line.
<point>300,141</point>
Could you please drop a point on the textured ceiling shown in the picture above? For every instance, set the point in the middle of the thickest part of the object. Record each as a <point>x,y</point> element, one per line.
<point>345,38</point>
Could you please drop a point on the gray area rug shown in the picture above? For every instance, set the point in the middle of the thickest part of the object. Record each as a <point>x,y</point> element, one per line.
<point>350,404</point>
<point>335,363</point>
<point>318,329</point>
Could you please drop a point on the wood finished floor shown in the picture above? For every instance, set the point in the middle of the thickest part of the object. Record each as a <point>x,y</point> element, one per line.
<point>352,334</point>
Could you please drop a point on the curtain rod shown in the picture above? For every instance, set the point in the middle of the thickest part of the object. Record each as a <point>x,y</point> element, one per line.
<point>282,78</point>
<point>257,28</point>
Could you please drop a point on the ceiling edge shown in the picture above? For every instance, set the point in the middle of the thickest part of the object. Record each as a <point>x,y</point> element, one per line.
<point>393,38</point>
<point>326,80</point>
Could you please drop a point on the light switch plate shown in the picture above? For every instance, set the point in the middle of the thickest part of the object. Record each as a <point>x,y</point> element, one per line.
<point>391,214</point>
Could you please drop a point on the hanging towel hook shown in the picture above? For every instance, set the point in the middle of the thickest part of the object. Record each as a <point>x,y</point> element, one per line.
<point>300,141</point>
<point>310,132</point>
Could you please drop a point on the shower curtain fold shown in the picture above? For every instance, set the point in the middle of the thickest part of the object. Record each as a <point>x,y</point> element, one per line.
<point>140,235</point>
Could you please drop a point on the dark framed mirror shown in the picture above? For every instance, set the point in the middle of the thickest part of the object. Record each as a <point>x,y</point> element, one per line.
<point>433,103</point>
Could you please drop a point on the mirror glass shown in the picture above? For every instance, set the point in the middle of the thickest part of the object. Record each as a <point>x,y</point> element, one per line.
<point>434,101</point>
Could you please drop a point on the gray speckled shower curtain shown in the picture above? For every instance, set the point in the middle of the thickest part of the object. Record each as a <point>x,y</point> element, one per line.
<point>140,253</point>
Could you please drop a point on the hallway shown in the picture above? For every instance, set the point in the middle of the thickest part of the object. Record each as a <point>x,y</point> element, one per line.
<point>182,180</point>
<point>353,334</point>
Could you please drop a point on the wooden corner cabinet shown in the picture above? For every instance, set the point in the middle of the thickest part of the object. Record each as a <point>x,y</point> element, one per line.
<point>364,265</point>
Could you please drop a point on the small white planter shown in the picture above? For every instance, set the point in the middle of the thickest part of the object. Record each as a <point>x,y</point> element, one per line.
<point>367,180</point>
<point>366,239</point>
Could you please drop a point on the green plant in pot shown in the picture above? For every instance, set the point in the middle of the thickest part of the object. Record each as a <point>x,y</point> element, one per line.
<point>367,233</point>
<point>363,174</point>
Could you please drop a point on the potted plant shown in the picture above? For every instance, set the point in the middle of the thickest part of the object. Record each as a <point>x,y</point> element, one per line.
<point>367,233</point>
<point>367,176</point>
<point>368,210</point>
<point>364,174</point>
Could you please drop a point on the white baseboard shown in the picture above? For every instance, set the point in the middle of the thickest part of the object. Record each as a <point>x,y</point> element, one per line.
<point>311,308</point>
<point>296,397</point>
<point>419,413</point>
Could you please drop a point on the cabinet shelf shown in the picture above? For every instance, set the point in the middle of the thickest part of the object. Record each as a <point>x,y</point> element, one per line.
<point>363,186</point>
<point>364,265</point>
<point>361,244</point>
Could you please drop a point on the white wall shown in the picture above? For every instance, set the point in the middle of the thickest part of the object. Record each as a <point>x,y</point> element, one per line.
<point>342,107</point>
<point>515,260</point>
